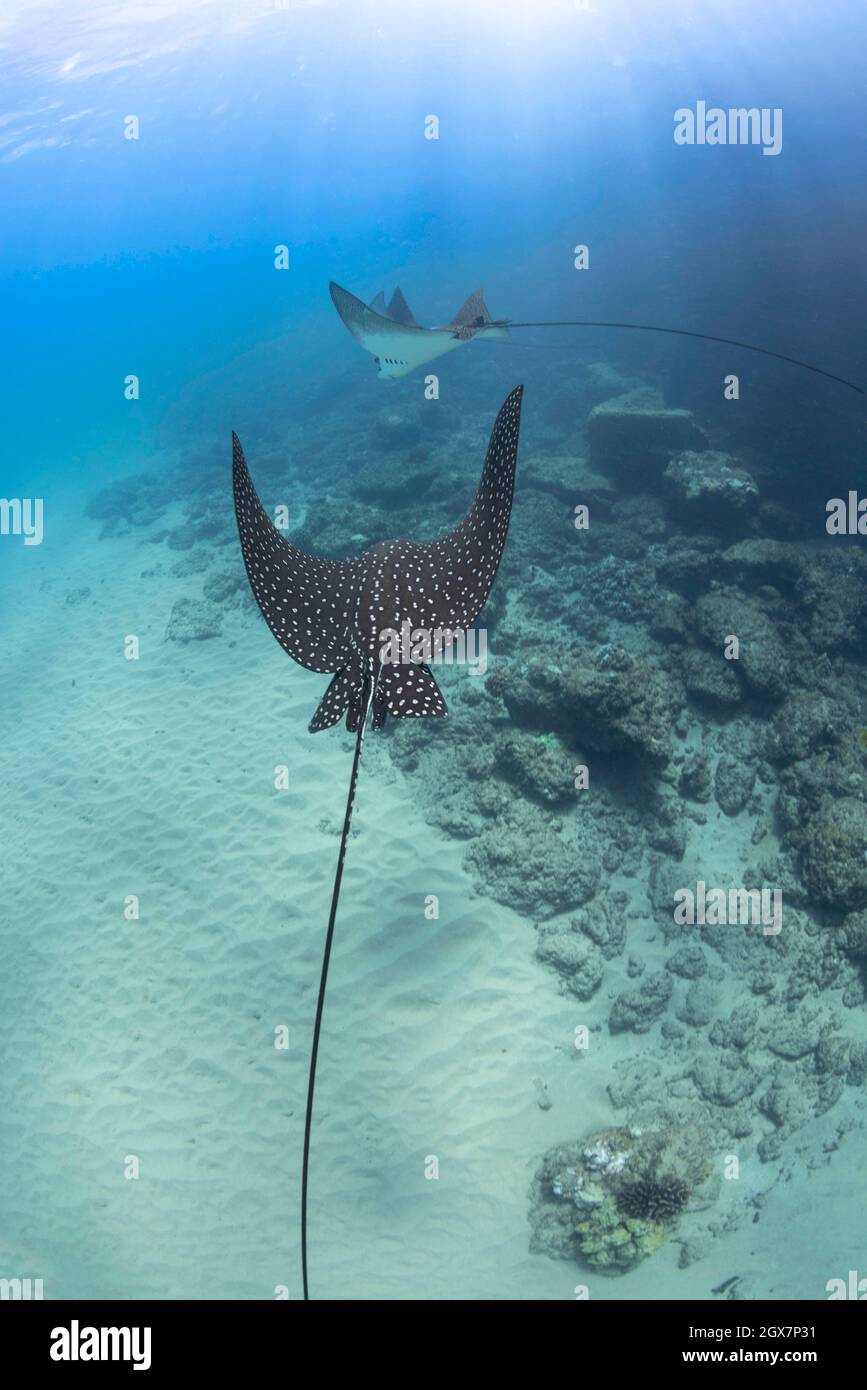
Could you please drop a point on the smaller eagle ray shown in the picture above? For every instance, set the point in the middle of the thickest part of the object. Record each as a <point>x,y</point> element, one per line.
<point>330,616</point>
<point>396,341</point>
<point>399,345</point>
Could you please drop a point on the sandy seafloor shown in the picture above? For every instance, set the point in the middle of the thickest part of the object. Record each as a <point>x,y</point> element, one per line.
<point>154,1038</point>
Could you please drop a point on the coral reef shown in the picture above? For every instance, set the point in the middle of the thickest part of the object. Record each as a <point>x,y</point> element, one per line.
<point>636,1010</point>
<point>614,1198</point>
<point>606,700</point>
<point>554,871</point>
<point>762,660</point>
<point>834,854</point>
<point>711,486</point>
<point>132,502</point>
<point>579,962</point>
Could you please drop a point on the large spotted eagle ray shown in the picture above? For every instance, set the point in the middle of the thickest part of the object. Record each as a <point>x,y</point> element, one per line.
<point>332,615</point>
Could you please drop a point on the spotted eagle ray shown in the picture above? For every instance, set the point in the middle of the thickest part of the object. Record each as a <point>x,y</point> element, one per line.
<point>397,342</point>
<point>331,616</point>
<point>399,345</point>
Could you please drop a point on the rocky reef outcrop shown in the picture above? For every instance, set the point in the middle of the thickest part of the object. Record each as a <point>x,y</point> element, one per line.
<point>635,436</point>
<point>616,1196</point>
<point>606,700</point>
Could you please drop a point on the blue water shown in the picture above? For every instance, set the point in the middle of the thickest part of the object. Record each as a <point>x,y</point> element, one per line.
<point>263,126</point>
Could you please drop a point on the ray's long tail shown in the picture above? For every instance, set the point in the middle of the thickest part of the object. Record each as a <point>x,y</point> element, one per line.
<point>690,333</point>
<point>366,701</point>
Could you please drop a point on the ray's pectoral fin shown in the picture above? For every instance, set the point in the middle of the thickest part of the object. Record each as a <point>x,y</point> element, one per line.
<point>407,692</point>
<point>305,601</point>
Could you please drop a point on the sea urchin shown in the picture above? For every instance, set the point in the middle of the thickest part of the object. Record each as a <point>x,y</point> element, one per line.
<point>653,1199</point>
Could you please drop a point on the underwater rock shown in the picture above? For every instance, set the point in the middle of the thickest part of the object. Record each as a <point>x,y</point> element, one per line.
<point>734,780</point>
<point>637,522</point>
<point>331,521</point>
<point>615,1197</point>
<point>666,826</point>
<point>762,660</point>
<point>578,961</point>
<point>607,701</point>
<point>530,864</point>
<point>815,969</point>
<point>539,765</point>
<point>570,481</point>
<point>688,564</point>
<point>131,502</point>
<point>619,588</point>
<point>465,805</point>
<point>193,620</point>
<point>726,1082</point>
<point>753,562</point>
<point>738,1029</point>
<point>696,1248</point>
<point>605,922</point>
<point>210,522</point>
<point>695,781</point>
<point>834,854</point>
<point>853,934</point>
<point>699,1004</point>
<point>663,881</point>
<point>541,535</point>
<point>195,561</point>
<point>517,632</point>
<point>857,1072</point>
<point>636,1010</point>
<point>709,679</point>
<point>391,429</point>
<point>832,1055</point>
<point>669,617</point>
<point>602,382</point>
<point>181,537</point>
<point>689,962</point>
<point>806,722</point>
<point>792,1036</point>
<point>711,486</point>
<point>227,587</point>
<point>837,771</point>
<point>633,437</point>
<point>787,1107</point>
<point>778,521</point>
<point>396,482</point>
<point>834,592</point>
